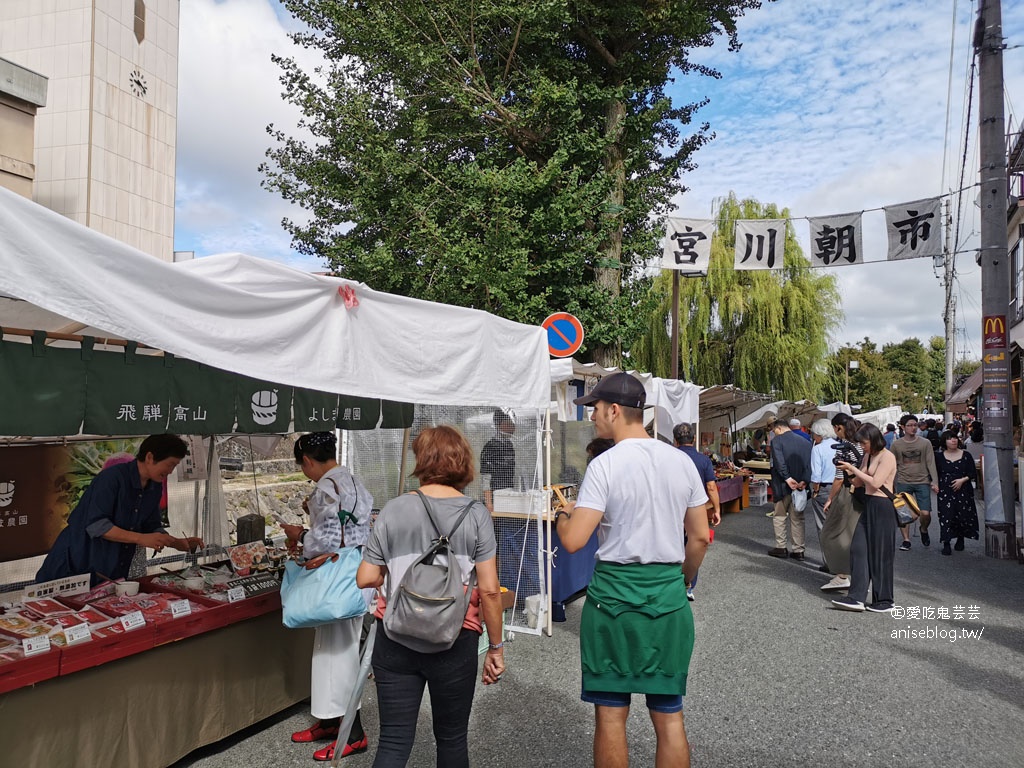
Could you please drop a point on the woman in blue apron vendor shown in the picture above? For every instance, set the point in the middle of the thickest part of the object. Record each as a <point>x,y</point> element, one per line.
<point>119,511</point>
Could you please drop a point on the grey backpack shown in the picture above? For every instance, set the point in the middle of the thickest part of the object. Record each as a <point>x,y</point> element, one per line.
<point>426,610</point>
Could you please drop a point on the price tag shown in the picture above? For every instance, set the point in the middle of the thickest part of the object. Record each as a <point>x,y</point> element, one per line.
<point>35,645</point>
<point>79,633</point>
<point>235,594</point>
<point>180,608</point>
<point>133,620</point>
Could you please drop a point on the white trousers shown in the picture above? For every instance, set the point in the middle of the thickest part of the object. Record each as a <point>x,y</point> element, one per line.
<point>335,666</point>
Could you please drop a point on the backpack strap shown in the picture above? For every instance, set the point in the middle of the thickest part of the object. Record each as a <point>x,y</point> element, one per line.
<point>344,515</point>
<point>430,513</point>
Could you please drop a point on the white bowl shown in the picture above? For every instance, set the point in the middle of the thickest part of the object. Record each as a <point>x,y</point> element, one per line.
<point>127,588</point>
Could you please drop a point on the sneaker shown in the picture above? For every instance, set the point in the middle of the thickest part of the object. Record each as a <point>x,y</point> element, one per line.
<point>778,552</point>
<point>838,582</point>
<point>879,607</point>
<point>689,594</point>
<point>926,540</point>
<point>905,546</point>
<point>945,548</point>
<point>959,546</point>
<point>848,604</point>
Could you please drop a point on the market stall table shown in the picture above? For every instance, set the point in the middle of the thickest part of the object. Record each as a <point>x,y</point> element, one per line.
<point>734,493</point>
<point>151,709</point>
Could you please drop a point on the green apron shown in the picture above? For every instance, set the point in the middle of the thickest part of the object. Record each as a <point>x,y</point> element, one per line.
<point>636,633</point>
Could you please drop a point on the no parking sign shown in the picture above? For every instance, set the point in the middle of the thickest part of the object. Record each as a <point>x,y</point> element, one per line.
<point>565,334</point>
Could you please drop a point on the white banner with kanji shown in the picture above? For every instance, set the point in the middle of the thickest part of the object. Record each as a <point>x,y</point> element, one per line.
<point>914,229</point>
<point>760,243</point>
<point>688,245</point>
<point>837,241</point>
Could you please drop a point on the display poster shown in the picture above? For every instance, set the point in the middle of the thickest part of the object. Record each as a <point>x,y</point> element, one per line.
<point>40,485</point>
<point>42,390</point>
<point>315,411</point>
<point>202,399</point>
<point>34,498</point>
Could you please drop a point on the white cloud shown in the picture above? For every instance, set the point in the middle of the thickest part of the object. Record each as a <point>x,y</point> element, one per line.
<point>834,107</point>
<point>829,107</point>
<point>229,91</point>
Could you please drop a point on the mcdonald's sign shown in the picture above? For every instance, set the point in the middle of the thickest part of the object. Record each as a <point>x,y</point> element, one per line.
<point>993,332</point>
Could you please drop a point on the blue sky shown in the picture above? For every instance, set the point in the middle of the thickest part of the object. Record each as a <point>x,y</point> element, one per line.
<point>829,107</point>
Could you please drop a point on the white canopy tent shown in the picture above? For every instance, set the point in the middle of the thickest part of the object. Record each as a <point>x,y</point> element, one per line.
<point>881,417</point>
<point>674,401</point>
<point>806,411</point>
<point>263,319</point>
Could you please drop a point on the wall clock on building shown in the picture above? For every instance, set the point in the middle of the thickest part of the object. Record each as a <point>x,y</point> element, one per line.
<point>138,83</point>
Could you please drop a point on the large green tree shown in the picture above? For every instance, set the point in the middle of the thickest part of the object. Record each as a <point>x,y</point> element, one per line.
<point>762,330</point>
<point>511,156</point>
<point>904,373</point>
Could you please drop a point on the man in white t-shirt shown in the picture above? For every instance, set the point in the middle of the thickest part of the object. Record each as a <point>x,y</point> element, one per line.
<point>648,505</point>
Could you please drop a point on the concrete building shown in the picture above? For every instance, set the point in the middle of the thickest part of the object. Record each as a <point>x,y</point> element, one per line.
<point>22,92</point>
<point>105,143</point>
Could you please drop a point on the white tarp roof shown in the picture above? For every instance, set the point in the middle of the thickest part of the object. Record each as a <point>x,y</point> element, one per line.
<point>266,320</point>
<point>674,401</point>
<point>805,410</point>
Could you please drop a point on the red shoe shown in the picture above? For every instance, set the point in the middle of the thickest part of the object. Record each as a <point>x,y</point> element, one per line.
<point>353,747</point>
<point>315,733</point>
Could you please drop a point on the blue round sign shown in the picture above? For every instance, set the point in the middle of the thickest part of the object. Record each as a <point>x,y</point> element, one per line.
<point>565,334</point>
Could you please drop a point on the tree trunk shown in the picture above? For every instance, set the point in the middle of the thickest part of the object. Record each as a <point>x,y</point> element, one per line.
<point>608,272</point>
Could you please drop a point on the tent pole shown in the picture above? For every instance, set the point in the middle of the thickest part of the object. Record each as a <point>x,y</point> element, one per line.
<point>401,467</point>
<point>206,495</point>
<point>547,512</point>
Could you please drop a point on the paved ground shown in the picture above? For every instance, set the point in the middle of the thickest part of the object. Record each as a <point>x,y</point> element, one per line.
<point>777,679</point>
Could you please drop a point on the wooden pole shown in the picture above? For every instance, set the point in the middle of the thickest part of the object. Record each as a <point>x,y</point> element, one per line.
<point>675,323</point>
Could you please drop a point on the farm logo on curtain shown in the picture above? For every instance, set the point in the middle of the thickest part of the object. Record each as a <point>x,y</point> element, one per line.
<point>837,241</point>
<point>688,245</point>
<point>760,244</point>
<point>914,229</point>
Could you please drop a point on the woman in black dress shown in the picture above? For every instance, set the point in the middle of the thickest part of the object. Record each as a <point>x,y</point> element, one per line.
<point>958,514</point>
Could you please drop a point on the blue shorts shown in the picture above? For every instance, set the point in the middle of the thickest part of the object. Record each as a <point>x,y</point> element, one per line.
<point>656,702</point>
<point>922,492</point>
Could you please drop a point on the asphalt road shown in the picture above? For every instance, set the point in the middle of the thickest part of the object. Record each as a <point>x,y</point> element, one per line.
<point>778,677</point>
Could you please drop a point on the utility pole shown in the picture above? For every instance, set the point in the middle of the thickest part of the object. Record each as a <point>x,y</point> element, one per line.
<point>949,316</point>
<point>1000,538</point>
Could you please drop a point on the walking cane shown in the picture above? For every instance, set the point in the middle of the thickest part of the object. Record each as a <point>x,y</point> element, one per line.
<point>345,729</point>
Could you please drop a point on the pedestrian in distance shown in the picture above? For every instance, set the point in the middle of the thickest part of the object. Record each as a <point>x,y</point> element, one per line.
<point>842,510</point>
<point>683,436</point>
<point>791,471</point>
<point>823,471</point>
<point>874,541</point>
<point>958,514</point>
<point>649,507</point>
<point>916,474</point>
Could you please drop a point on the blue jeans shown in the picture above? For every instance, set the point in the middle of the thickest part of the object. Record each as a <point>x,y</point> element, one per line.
<point>401,674</point>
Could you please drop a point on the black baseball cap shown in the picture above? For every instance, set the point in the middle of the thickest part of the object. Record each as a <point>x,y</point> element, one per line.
<point>619,388</point>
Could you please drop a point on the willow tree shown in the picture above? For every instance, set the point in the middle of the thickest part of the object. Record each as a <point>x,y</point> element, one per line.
<point>504,155</point>
<point>766,331</point>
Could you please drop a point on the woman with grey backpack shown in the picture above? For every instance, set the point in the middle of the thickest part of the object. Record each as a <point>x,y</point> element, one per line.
<point>424,543</point>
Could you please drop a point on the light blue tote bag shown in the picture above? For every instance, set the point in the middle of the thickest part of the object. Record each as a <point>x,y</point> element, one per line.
<point>324,594</point>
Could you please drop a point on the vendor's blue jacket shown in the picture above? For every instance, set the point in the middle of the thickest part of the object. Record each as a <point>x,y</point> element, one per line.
<point>114,498</point>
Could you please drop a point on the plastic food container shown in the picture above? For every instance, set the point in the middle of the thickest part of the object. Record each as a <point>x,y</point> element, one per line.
<point>127,588</point>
